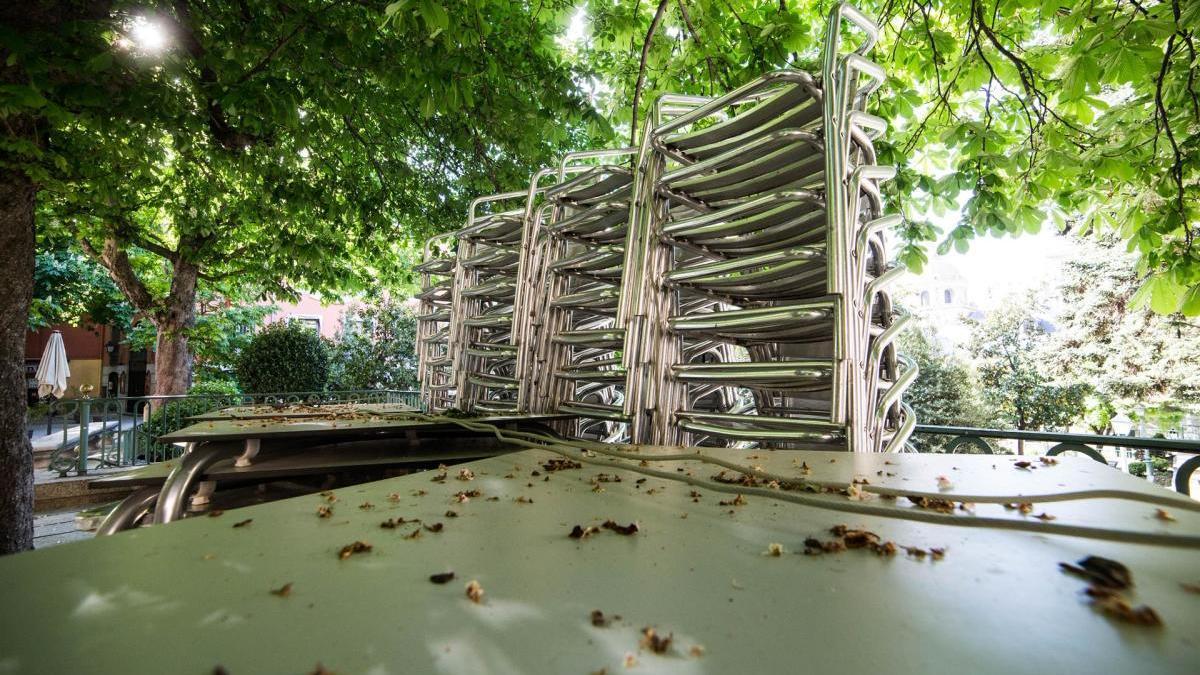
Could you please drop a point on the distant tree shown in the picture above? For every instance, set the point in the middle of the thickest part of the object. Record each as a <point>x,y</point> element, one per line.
<point>1132,357</point>
<point>947,392</point>
<point>1010,351</point>
<point>376,347</point>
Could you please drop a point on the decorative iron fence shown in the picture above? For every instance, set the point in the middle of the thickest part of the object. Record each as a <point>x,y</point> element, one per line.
<point>969,439</point>
<point>121,431</point>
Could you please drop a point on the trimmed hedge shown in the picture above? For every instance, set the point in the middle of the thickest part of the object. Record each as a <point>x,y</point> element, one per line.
<point>285,356</point>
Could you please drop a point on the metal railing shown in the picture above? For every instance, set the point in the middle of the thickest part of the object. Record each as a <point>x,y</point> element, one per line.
<point>970,439</point>
<point>121,431</point>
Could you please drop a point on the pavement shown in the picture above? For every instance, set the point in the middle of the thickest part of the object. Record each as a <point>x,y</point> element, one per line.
<point>48,440</point>
<point>57,527</point>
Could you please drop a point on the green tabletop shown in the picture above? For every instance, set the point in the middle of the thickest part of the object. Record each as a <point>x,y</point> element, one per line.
<point>238,429</point>
<point>251,412</point>
<point>323,459</point>
<point>193,595</point>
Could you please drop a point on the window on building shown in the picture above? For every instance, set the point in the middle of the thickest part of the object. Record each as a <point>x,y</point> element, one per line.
<point>924,298</point>
<point>313,322</point>
<point>949,296</point>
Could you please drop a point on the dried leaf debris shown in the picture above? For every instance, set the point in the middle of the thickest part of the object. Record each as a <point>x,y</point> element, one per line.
<point>583,532</point>
<point>855,538</point>
<point>559,465</point>
<point>474,592</point>
<point>626,530</point>
<point>600,620</point>
<point>351,549</point>
<point>1109,581</point>
<point>655,642</point>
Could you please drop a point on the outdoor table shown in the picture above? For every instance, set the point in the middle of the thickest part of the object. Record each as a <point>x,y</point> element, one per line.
<point>262,411</point>
<point>197,594</point>
<point>298,446</point>
<point>148,481</point>
<point>233,429</point>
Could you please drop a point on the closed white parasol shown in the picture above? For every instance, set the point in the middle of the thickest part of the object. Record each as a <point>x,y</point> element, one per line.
<point>53,371</point>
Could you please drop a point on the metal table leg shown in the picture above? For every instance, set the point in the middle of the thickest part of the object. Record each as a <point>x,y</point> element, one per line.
<point>128,511</point>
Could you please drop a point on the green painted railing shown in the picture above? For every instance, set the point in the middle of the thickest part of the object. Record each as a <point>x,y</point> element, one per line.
<point>970,439</point>
<point>121,431</point>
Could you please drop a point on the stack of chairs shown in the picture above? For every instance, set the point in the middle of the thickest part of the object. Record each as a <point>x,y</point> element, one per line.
<point>435,366</point>
<point>723,284</point>
<point>763,233</point>
<point>486,279</point>
<point>582,250</point>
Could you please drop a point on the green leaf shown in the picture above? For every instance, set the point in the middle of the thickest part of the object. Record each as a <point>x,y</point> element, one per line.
<point>1160,292</point>
<point>435,17</point>
<point>100,62</point>
<point>1191,302</point>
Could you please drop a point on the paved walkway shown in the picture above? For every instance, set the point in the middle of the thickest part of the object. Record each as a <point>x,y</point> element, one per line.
<point>47,476</point>
<point>57,527</point>
<point>42,439</point>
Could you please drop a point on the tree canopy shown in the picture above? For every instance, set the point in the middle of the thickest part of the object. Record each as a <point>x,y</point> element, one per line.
<point>1132,357</point>
<point>270,148</point>
<point>68,288</point>
<point>1011,347</point>
<point>1007,115</point>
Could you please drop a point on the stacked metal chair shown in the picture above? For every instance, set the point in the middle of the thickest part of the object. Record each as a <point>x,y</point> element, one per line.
<point>486,279</point>
<point>434,361</point>
<point>727,286</point>
<point>766,201</point>
<point>583,248</point>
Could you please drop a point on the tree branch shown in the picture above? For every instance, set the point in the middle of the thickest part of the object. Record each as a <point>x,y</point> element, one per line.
<point>116,261</point>
<point>1164,122</point>
<point>687,21</point>
<point>367,148</point>
<point>641,79</point>
<point>219,125</point>
<point>262,63</point>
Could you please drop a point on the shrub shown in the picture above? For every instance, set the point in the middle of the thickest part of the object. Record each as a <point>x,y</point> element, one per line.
<point>376,348</point>
<point>227,388</point>
<point>1161,465</point>
<point>284,357</point>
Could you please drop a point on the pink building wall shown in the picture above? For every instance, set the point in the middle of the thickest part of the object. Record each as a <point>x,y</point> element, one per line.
<point>310,308</point>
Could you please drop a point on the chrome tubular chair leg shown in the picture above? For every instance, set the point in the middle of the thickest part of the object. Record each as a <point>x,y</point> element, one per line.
<point>128,512</point>
<point>173,498</point>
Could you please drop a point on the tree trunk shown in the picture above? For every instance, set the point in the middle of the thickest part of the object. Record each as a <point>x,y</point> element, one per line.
<point>18,195</point>
<point>173,317</point>
<point>16,288</point>
<point>173,354</point>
